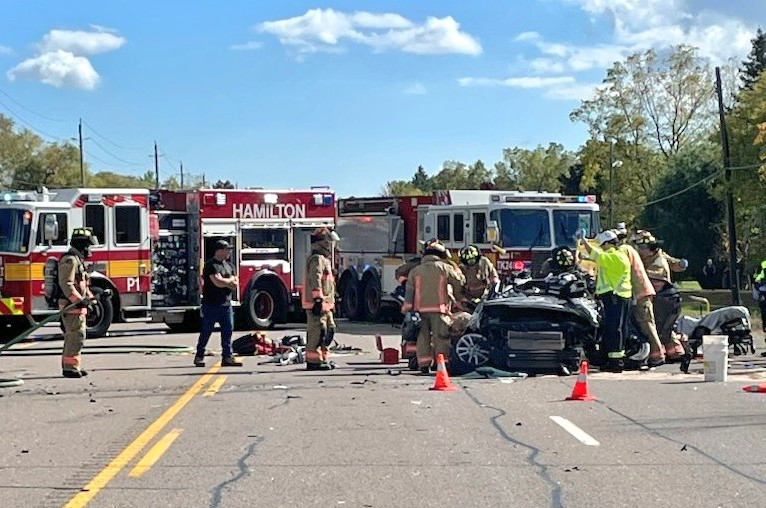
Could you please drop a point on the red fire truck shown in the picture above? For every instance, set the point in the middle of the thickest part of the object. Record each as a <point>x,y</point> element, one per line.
<point>377,236</point>
<point>35,227</point>
<point>153,245</point>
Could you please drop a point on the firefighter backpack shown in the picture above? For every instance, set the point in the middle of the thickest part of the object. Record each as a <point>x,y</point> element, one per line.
<point>53,291</point>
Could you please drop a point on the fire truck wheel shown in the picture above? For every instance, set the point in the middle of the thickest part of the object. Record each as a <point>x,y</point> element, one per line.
<point>262,306</point>
<point>372,297</point>
<point>352,307</point>
<point>100,320</point>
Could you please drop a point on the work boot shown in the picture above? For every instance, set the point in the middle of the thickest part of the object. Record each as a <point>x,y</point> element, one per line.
<point>229,361</point>
<point>655,362</point>
<point>199,361</point>
<point>318,366</point>
<point>74,374</point>
<point>425,371</point>
<point>615,366</point>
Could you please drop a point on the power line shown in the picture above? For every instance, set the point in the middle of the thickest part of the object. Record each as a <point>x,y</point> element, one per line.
<point>130,163</point>
<point>682,191</point>
<point>116,145</point>
<point>44,117</point>
<point>29,126</point>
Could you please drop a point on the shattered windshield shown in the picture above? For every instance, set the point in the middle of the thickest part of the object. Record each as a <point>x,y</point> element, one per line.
<point>15,226</point>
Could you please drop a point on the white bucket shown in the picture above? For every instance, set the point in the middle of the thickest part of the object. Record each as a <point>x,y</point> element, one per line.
<point>715,355</point>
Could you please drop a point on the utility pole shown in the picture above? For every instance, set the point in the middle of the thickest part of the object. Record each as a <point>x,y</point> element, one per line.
<point>731,225</point>
<point>611,183</point>
<point>156,167</point>
<point>203,180</point>
<point>82,164</point>
<point>182,174</point>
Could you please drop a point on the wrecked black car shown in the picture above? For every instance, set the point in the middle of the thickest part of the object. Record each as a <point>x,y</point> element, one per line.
<point>544,326</point>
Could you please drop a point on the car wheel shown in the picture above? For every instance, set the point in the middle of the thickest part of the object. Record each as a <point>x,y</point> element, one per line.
<point>372,293</point>
<point>469,352</point>
<point>352,307</point>
<point>262,306</point>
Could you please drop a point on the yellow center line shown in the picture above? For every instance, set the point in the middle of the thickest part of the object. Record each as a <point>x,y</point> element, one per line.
<point>215,386</point>
<point>117,464</point>
<point>154,453</point>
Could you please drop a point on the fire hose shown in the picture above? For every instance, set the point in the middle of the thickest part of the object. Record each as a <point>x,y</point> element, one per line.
<point>13,381</point>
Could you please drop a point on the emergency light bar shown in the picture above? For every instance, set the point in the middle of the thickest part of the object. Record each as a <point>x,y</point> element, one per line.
<point>323,199</point>
<point>541,198</point>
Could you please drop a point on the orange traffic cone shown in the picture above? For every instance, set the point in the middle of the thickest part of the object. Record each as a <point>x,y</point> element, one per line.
<point>759,388</point>
<point>442,383</point>
<point>580,391</point>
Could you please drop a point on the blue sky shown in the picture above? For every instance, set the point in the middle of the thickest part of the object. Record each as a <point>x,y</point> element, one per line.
<point>342,93</point>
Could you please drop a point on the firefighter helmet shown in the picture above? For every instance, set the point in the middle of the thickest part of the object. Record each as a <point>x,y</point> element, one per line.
<point>646,239</point>
<point>564,258</point>
<point>435,248</point>
<point>82,240</point>
<point>469,255</point>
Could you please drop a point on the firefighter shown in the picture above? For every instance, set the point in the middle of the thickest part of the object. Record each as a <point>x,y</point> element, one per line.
<point>73,282</point>
<point>562,260</point>
<point>614,289</point>
<point>643,299</point>
<point>319,300</point>
<point>479,272</point>
<point>658,268</point>
<point>428,289</point>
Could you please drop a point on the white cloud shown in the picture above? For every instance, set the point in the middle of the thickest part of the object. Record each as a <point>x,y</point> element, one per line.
<point>546,66</point>
<point>80,42</point>
<point>247,46</point>
<point>642,24</point>
<point>62,61</point>
<point>5,50</point>
<point>519,82</point>
<point>571,92</point>
<point>552,87</point>
<point>327,29</point>
<point>58,68</point>
<point>415,89</point>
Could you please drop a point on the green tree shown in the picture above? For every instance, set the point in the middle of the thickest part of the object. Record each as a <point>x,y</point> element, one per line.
<point>661,101</point>
<point>401,188</point>
<point>689,222</point>
<point>422,181</point>
<point>747,126</point>
<point>755,63</point>
<point>539,169</point>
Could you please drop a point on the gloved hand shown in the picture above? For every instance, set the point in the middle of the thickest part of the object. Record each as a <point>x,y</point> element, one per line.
<point>684,264</point>
<point>91,305</point>
<point>82,304</point>
<point>317,308</point>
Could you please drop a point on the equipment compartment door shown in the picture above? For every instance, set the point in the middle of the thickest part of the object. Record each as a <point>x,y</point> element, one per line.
<point>207,253</point>
<point>301,252</point>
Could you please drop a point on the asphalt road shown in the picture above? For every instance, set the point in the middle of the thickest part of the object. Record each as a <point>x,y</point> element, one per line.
<point>147,430</point>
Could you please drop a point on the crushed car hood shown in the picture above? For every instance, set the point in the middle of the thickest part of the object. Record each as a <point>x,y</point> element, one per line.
<point>582,307</point>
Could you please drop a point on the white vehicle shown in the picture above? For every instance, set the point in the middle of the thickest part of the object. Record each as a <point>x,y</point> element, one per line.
<point>528,225</point>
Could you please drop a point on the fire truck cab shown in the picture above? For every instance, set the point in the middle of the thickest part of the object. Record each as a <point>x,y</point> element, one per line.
<point>270,231</point>
<point>35,228</point>
<point>528,225</point>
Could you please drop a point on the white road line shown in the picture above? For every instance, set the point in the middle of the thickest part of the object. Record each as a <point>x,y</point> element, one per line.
<point>576,431</point>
